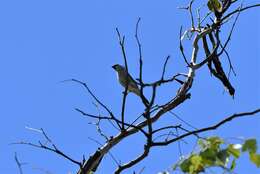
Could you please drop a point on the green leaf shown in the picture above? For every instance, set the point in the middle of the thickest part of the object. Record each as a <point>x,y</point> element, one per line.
<point>192,165</point>
<point>209,156</point>
<point>197,165</point>
<point>185,165</point>
<point>255,158</point>
<point>233,165</point>
<point>233,151</point>
<point>215,142</point>
<point>250,145</point>
<point>223,158</point>
<point>214,5</point>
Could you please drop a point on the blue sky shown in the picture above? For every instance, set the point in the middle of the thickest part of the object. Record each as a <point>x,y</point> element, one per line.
<point>45,42</point>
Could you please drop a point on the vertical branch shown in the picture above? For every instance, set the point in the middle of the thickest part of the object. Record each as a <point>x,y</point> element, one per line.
<point>231,32</point>
<point>164,67</point>
<point>181,47</point>
<point>144,100</point>
<point>149,142</point>
<point>179,143</point>
<point>140,54</point>
<point>220,74</point>
<point>123,108</point>
<point>19,164</point>
<point>122,45</point>
<point>191,15</point>
<point>199,18</point>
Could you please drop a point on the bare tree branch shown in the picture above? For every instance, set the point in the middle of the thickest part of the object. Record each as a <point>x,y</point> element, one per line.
<point>109,118</point>
<point>238,10</point>
<point>164,67</point>
<point>213,127</point>
<point>54,148</point>
<point>181,47</point>
<point>19,164</point>
<point>134,161</point>
<point>230,33</point>
<point>95,98</point>
<point>153,113</point>
<point>122,45</point>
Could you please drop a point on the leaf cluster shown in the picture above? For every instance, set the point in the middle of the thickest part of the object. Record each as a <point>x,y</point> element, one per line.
<point>214,152</point>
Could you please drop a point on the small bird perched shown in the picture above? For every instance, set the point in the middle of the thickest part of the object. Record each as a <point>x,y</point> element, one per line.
<point>125,79</point>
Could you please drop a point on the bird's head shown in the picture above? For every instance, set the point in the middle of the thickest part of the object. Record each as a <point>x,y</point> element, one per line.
<point>117,67</point>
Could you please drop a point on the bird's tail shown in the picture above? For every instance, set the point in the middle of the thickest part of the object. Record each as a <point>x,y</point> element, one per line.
<point>138,92</point>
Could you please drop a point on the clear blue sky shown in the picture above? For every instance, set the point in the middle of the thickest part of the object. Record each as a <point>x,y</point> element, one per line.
<point>44,42</point>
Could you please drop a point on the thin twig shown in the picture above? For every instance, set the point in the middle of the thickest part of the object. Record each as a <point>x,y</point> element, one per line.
<point>230,33</point>
<point>19,164</point>
<point>144,100</point>
<point>122,45</point>
<point>213,127</point>
<point>231,68</point>
<point>191,15</point>
<point>164,66</point>
<point>46,147</point>
<point>185,122</point>
<point>166,127</point>
<point>95,98</point>
<point>179,143</point>
<point>238,10</point>
<point>109,118</point>
<point>134,161</point>
<point>181,48</point>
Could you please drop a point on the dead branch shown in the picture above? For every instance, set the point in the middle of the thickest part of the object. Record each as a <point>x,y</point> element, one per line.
<point>52,148</point>
<point>213,127</point>
<point>151,113</point>
<point>19,164</point>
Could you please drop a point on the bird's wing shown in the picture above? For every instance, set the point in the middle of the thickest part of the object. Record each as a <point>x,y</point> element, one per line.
<point>131,80</point>
<point>133,87</point>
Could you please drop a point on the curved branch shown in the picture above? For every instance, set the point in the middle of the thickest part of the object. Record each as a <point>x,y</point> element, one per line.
<point>54,148</point>
<point>239,10</point>
<point>135,161</point>
<point>213,127</point>
<point>95,98</point>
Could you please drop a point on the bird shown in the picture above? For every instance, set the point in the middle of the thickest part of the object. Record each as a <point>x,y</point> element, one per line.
<point>126,79</point>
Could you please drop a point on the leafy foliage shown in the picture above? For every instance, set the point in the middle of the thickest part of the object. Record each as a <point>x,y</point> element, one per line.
<point>214,152</point>
<point>250,145</point>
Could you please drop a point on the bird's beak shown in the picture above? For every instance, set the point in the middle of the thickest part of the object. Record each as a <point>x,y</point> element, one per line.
<point>114,67</point>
